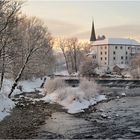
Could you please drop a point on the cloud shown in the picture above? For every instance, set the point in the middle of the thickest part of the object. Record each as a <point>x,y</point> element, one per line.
<point>129,31</point>
<point>65,29</point>
<point>62,28</point>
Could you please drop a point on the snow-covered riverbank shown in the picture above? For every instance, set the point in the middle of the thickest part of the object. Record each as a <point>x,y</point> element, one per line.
<point>7,104</point>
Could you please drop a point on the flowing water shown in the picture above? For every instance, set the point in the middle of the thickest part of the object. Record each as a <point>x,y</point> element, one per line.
<point>119,118</point>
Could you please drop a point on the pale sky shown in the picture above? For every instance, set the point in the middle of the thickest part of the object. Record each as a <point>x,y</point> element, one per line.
<point>73,18</point>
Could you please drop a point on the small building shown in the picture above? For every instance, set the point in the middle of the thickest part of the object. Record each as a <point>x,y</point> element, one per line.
<point>109,52</point>
<point>118,69</point>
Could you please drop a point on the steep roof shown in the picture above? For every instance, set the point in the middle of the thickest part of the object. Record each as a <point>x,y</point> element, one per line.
<point>93,36</point>
<point>116,41</point>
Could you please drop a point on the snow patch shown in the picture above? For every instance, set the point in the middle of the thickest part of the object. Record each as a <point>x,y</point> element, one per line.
<point>27,86</point>
<point>123,94</point>
<point>6,105</point>
<point>62,73</point>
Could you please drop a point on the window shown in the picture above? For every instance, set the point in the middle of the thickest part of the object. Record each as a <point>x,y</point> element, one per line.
<point>126,53</point>
<point>116,47</point>
<point>105,58</point>
<point>121,47</point>
<point>101,58</point>
<point>105,47</point>
<point>128,48</point>
<point>122,62</point>
<point>105,63</point>
<point>101,53</point>
<point>114,52</point>
<point>105,52</point>
<point>121,57</point>
<point>114,58</point>
<point>126,57</point>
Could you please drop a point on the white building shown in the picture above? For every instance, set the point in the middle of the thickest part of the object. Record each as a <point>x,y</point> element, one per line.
<point>113,51</point>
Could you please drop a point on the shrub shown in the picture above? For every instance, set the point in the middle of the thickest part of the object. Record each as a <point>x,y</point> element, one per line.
<point>90,88</point>
<point>53,85</point>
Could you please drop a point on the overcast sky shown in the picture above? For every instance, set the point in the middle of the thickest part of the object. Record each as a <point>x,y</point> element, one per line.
<point>73,18</point>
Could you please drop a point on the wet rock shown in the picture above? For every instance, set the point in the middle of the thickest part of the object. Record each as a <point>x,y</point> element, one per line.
<point>103,115</point>
<point>123,94</point>
<point>135,130</point>
<point>89,136</point>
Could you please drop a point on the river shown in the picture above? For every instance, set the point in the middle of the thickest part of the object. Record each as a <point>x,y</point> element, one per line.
<point>118,118</point>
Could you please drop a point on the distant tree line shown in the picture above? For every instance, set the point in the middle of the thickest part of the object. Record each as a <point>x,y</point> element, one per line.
<point>74,53</point>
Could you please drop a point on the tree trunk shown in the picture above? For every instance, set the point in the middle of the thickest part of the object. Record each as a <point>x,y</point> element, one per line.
<point>75,59</point>
<point>3,68</point>
<point>67,66</point>
<point>19,75</point>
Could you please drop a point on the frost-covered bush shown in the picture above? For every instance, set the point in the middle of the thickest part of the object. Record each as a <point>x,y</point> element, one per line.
<point>90,88</point>
<point>67,94</point>
<point>73,98</point>
<point>53,85</point>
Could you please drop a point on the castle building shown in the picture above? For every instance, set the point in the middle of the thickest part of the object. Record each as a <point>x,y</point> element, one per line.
<point>109,52</point>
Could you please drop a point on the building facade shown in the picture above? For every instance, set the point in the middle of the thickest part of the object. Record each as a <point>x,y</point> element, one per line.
<point>109,52</point>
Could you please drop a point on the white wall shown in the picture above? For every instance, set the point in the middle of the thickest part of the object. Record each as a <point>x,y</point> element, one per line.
<point>121,51</point>
<point>122,54</point>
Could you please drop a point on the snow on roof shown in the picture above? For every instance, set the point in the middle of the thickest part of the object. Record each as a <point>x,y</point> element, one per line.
<point>92,53</point>
<point>116,41</point>
<point>121,66</point>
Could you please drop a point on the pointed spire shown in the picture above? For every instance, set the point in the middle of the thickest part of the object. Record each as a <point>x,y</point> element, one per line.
<point>93,35</point>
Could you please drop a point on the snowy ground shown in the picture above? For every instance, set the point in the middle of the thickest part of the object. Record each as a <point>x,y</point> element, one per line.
<point>7,104</point>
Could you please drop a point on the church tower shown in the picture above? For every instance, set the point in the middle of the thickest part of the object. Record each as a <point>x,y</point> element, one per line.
<point>93,35</point>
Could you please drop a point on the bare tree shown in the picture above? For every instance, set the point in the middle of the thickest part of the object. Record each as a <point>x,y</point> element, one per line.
<point>63,44</point>
<point>35,36</point>
<point>73,53</point>
<point>9,11</point>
